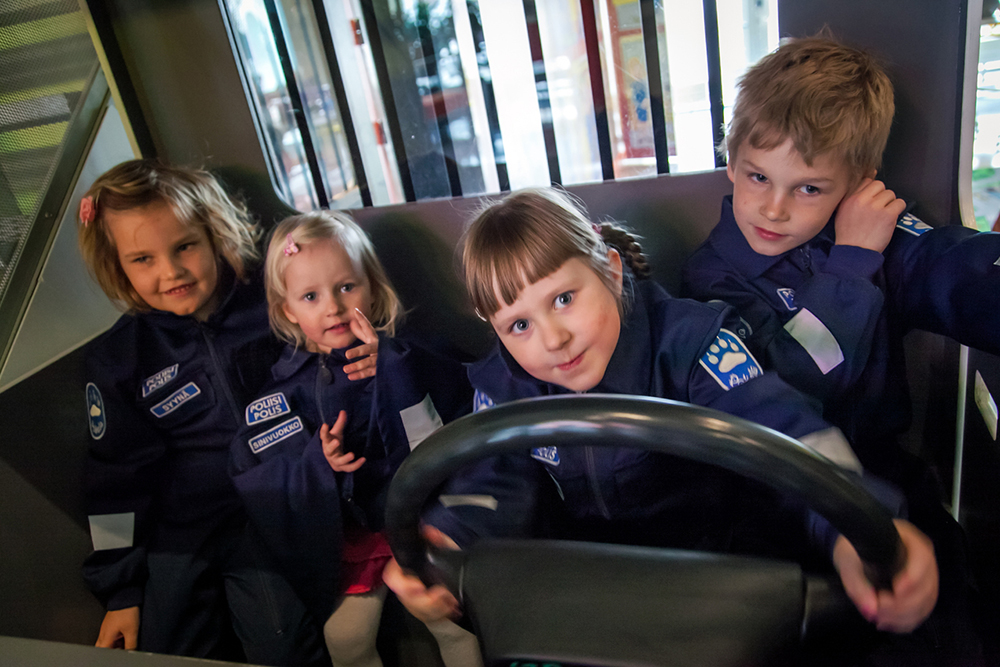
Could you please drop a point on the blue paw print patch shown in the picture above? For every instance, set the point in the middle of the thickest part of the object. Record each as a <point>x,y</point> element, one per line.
<point>912,224</point>
<point>729,362</point>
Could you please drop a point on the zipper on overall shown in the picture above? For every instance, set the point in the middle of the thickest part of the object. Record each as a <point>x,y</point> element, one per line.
<point>220,371</point>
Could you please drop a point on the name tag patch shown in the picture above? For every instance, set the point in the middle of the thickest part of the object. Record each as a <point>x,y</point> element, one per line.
<point>157,380</point>
<point>266,408</point>
<point>95,412</point>
<point>175,400</point>
<point>481,401</point>
<point>275,435</point>
<point>912,224</point>
<point>787,296</point>
<point>549,455</point>
<point>729,361</point>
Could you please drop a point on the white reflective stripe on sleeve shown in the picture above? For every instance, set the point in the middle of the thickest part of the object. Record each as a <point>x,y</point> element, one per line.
<point>112,531</point>
<point>420,420</point>
<point>817,340</point>
<point>489,502</point>
<point>832,445</point>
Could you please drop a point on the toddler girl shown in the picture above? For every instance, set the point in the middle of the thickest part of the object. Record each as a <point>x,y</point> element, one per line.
<point>166,383</point>
<point>344,407</point>
<point>572,314</point>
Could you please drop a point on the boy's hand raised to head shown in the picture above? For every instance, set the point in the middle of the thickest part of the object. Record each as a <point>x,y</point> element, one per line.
<point>914,589</point>
<point>867,217</point>
<point>367,353</point>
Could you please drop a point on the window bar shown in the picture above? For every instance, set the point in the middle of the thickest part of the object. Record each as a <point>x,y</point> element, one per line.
<point>714,77</point>
<point>589,17</point>
<point>385,86</point>
<point>340,94</point>
<point>440,111</point>
<point>655,83</point>
<point>542,87</point>
<point>475,19</point>
<point>315,171</point>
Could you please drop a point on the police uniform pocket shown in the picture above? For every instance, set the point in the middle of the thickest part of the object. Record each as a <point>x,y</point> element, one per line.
<point>180,403</point>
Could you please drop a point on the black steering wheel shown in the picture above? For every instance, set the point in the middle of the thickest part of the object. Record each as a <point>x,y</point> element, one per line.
<point>576,604</point>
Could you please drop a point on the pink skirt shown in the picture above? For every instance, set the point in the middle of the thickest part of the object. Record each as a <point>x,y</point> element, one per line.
<point>365,556</point>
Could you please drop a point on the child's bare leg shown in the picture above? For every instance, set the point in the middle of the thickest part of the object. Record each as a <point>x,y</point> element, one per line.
<point>351,630</point>
<point>458,646</point>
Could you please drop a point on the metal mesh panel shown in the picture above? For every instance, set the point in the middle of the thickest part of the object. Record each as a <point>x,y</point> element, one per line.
<point>46,59</point>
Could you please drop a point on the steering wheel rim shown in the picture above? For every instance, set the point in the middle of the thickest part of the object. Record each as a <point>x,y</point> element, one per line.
<point>660,425</point>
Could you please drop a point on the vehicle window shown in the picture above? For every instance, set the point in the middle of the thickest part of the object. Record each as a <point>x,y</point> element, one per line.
<point>386,101</point>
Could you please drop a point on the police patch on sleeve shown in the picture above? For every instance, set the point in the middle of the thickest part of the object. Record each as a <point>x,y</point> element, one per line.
<point>912,224</point>
<point>481,401</point>
<point>266,408</point>
<point>787,296</point>
<point>282,431</point>
<point>549,455</point>
<point>175,400</point>
<point>729,362</point>
<point>95,412</point>
<point>157,380</point>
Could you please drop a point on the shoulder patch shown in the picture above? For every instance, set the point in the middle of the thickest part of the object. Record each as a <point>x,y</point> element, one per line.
<point>175,400</point>
<point>267,407</point>
<point>481,401</point>
<point>95,412</point>
<point>157,380</point>
<point>787,296</point>
<point>729,362</point>
<point>912,224</point>
<point>548,455</point>
<point>275,435</point>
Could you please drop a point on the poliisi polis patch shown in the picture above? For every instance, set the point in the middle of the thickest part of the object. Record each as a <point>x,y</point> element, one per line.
<point>729,361</point>
<point>266,408</point>
<point>157,380</point>
<point>175,400</point>
<point>95,412</point>
<point>548,455</point>
<point>481,401</point>
<point>285,429</point>
<point>912,224</point>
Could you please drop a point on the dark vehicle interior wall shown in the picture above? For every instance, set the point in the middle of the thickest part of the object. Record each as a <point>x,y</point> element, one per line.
<point>184,97</point>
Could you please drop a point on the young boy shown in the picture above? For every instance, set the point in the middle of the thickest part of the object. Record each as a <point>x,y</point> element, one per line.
<point>827,270</point>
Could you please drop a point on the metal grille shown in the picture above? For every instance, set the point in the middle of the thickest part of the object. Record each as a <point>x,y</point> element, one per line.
<point>46,59</point>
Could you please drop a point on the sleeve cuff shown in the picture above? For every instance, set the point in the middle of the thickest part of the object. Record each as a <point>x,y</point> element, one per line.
<point>848,261</point>
<point>125,598</point>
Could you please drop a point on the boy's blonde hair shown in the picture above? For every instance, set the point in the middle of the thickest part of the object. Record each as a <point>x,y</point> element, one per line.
<point>193,195</point>
<point>528,235</point>
<point>826,97</point>
<point>333,226</point>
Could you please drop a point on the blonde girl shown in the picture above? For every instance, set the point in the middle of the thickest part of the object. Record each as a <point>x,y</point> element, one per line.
<point>346,403</point>
<point>171,249</point>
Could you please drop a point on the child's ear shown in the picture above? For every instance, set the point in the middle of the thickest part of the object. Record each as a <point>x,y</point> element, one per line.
<point>288,314</point>
<point>731,171</point>
<point>615,262</point>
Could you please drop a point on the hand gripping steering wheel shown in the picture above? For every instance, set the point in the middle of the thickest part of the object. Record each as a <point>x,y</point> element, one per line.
<point>580,604</point>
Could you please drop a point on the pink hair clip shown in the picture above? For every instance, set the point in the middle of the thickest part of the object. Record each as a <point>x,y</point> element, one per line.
<point>597,228</point>
<point>291,248</point>
<point>88,212</point>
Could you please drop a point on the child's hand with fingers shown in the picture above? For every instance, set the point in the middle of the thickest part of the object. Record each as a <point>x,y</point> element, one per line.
<point>366,353</point>
<point>333,446</point>
<point>431,604</point>
<point>914,589</point>
<point>867,217</point>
